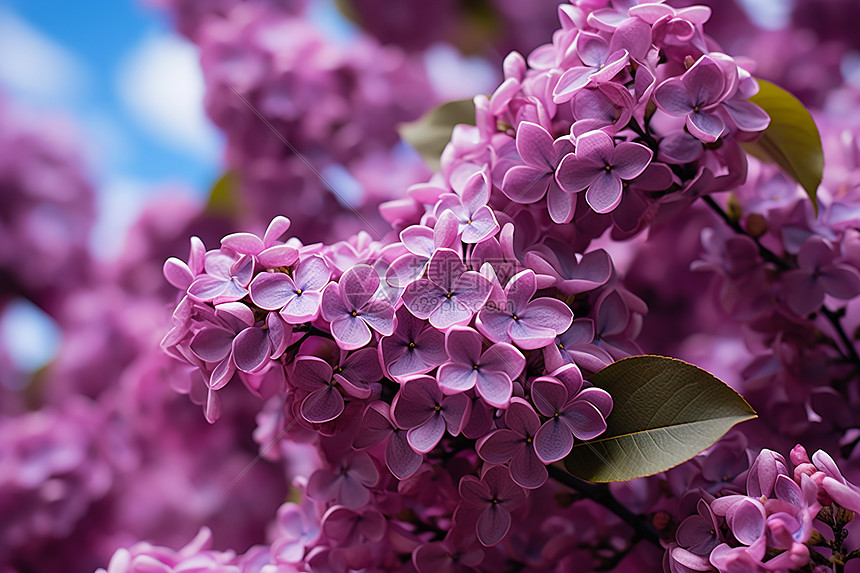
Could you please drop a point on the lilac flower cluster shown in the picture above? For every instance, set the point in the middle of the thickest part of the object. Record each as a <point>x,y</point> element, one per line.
<point>47,211</point>
<point>394,354</point>
<point>310,123</point>
<point>771,524</point>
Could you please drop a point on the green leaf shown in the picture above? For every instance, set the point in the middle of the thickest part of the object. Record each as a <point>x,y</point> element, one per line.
<point>791,140</point>
<point>431,133</point>
<point>665,412</point>
<point>223,199</point>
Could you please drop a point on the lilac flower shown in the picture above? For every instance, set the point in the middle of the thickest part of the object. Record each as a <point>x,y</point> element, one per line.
<point>421,242</point>
<point>576,346</point>
<point>476,221</point>
<point>529,183</point>
<point>819,274</point>
<point>608,108</point>
<point>377,426</point>
<point>297,298</point>
<point>700,533</point>
<point>181,275</point>
<point>352,310</point>
<point>513,316</point>
<point>573,274</point>
<point>450,294</point>
<point>454,554</point>
<point>348,484</point>
<point>493,496</point>
<point>571,412</point>
<point>421,408</point>
<point>348,526</point>
<point>491,373</point>
<point>834,484</point>
<point>196,555</point>
<point>696,96</point>
<point>515,443</point>
<point>225,279</point>
<point>599,166</point>
<point>268,252</point>
<point>314,375</point>
<point>234,341</point>
<point>414,348</point>
<point>599,66</point>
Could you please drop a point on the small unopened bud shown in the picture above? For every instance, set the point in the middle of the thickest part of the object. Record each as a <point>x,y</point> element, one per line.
<point>661,520</point>
<point>756,225</point>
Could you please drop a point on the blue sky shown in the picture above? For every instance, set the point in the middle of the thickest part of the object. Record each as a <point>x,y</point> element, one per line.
<point>131,85</point>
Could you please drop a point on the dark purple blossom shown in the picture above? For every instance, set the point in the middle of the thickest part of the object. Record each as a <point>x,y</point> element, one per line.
<point>493,497</point>
<point>515,443</point>
<point>421,408</point>
<point>415,347</point>
<point>818,274</point>
<point>348,484</point>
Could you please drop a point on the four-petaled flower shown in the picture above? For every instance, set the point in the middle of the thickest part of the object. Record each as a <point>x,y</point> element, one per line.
<point>599,166</point>
<point>515,443</point>
<point>491,372</point>
<point>514,316</point>
<point>696,96</point>
<point>530,182</point>
<point>352,309</point>
<point>421,408</point>
<point>493,497</point>
<point>297,297</point>
<point>450,294</point>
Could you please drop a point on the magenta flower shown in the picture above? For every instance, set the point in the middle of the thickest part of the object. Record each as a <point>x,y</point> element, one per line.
<point>529,183</point>
<point>571,412</point>
<point>515,443</point>
<point>576,346</point>
<point>297,298</point>
<point>225,279</point>
<point>804,288</point>
<point>377,427</point>
<point>347,526</point>
<point>180,274</point>
<point>476,221</point>
<point>346,485</point>
<point>268,252</point>
<point>513,316</point>
<point>421,408</point>
<point>599,66</point>
<point>421,242</point>
<point>599,166</point>
<point>491,373</point>
<point>414,348</point>
<point>314,375</point>
<point>696,96</point>
<point>700,533</point>
<point>352,310</point>
<point>450,294</point>
<point>493,496</point>
<point>607,108</point>
<point>454,554</point>
<point>573,274</point>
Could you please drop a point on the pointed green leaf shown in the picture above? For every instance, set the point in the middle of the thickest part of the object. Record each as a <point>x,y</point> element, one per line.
<point>791,140</point>
<point>431,133</point>
<point>665,412</point>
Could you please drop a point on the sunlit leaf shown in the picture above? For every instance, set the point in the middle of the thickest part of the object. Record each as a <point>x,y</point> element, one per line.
<point>791,140</point>
<point>665,412</point>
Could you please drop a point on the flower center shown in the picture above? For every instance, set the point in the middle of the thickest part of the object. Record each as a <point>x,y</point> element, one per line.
<point>475,367</point>
<point>437,407</point>
<point>354,313</point>
<point>449,295</point>
<point>299,292</point>
<point>515,317</point>
<point>411,346</point>
<point>608,168</point>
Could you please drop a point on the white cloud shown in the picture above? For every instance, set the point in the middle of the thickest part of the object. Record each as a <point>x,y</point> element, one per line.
<point>455,76</point>
<point>161,84</point>
<point>34,67</point>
